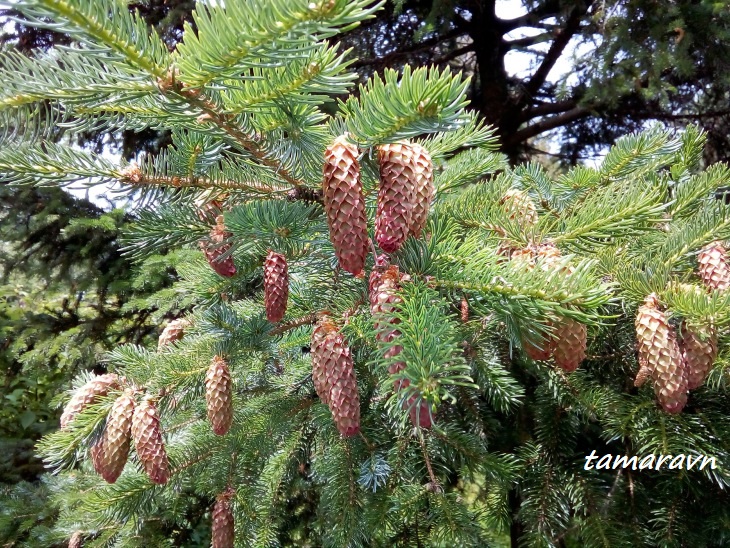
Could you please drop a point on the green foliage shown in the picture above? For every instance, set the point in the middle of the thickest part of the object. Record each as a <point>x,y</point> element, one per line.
<point>506,449</point>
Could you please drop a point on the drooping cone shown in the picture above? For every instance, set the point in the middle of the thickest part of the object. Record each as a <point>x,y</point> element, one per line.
<point>87,394</point>
<point>699,350</point>
<point>174,331</point>
<point>209,207</point>
<point>147,435</point>
<point>219,396</point>
<point>396,195</point>
<point>519,207</point>
<point>276,286</point>
<point>464,309</point>
<point>659,353</point>
<point>113,448</point>
<point>223,530</point>
<point>76,540</point>
<point>539,350</point>
<point>345,205</point>
<point>320,376</point>
<point>420,414</point>
<point>335,358</point>
<point>571,340</point>
<point>424,189</point>
<point>214,248</point>
<point>713,266</point>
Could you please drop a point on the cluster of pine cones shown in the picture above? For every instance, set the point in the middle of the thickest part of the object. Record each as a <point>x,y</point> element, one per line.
<point>678,364</point>
<point>566,340</point>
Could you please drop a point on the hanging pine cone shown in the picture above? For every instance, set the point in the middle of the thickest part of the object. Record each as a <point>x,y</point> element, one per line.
<point>713,266</point>
<point>223,530</point>
<point>464,309</point>
<point>699,350</point>
<point>345,205</point>
<point>76,540</point>
<point>214,248</point>
<point>420,414</point>
<point>110,454</point>
<point>424,189</point>
<point>519,207</point>
<point>334,357</point>
<point>210,207</point>
<point>276,286</point>
<point>86,395</point>
<point>219,396</point>
<point>539,350</point>
<point>396,195</point>
<point>174,331</point>
<point>147,435</point>
<point>571,340</point>
<point>320,376</point>
<point>659,351</point>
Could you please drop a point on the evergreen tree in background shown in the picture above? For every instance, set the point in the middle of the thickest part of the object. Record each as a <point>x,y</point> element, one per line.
<point>395,339</point>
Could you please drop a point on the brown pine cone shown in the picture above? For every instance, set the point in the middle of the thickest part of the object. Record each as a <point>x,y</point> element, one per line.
<point>541,350</point>
<point>76,540</point>
<point>174,331</point>
<point>424,189</point>
<point>660,354</point>
<point>223,529</point>
<point>335,358</point>
<point>345,205</point>
<point>713,266</point>
<point>571,340</point>
<point>699,350</point>
<point>396,195</point>
<point>110,454</point>
<point>219,395</point>
<point>320,376</point>
<point>214,248</point>
<point>420,414</point>
<point>276,286</point>
<point>87,394</point>
<point>147,435</point>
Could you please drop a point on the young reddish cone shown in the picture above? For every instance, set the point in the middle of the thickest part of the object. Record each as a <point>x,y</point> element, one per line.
<point>147,436</point>
<point>396,195</point>
<point>713,266</point>
<point>223,529</point>
<point>571,340</point>
<point>659,353</point>
<point>76,540</point>
<point>344,401</point>
<point>699,350</point>
<point>174,331</point>
<point>87,394</point>
<point>110,454</point>
<point>214,248</point>
<point>276,286</point>
<point>344,205</point>
<point>424,189</point>
<point>320,376</point>
<point>219,396</point>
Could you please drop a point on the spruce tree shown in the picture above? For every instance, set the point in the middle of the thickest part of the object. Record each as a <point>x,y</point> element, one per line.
<point>352,374</point>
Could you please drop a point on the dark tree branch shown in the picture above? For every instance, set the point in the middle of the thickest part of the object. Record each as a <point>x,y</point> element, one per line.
<point>547,108</point>
<point>547,124</point>
<point>572,25</point>
<point>550,8</point>
<point>424,45</point>
<point>530,40</point>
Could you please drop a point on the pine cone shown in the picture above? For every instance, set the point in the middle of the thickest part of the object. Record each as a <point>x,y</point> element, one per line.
<point>539,351</point>
<point>699,350</point>
<point>345,205</point>
<point>320,376</point>
<point>174,331</point>
<point>571,340</point>
<point>420,414</point>
<point>424,189</point>
<point>209,208</point>
<point>214,248</point>
<point>223,530</point>
<point>464,309</point>
<point>660,354</point>
<point>276,286</point>
<point>76,540</point>
<point>713,266</point>
<point>520,207</point>
<point>336,360</point>
<point>148,442</point>
<point>110,454</point>
<point>396,196</point>
<point>219,396</point>
<point>87,394</point>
